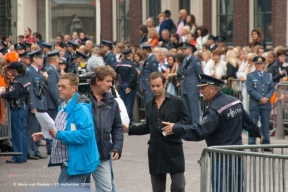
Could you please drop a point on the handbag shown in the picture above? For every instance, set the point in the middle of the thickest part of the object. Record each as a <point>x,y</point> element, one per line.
<point>171,89</point>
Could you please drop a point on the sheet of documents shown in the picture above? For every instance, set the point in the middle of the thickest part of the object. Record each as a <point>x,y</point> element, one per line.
<point>46,123</point>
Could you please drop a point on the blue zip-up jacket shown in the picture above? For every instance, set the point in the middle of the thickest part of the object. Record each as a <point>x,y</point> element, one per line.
<point>81,143</point>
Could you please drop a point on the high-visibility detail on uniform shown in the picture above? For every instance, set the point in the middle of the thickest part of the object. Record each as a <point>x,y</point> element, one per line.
<point>227,106</point>
<point>123,65</point>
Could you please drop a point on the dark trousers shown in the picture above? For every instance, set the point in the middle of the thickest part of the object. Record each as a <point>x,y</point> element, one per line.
<point>128,99</point>
<point>52,113</point>
<point>230,172</point>
<point>19,143</point>
<point>33,126</point>
<point>159,182</point>
<point>191,102</point>
<point>265,117</point>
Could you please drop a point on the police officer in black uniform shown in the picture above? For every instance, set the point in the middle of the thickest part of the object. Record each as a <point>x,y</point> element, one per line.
<point>28,46</point>
<point>126,69</point>
<point>17,94</point>
<point>69,55</point>
<point>47,47</point>
<point>25,59</point>
<point>19,48</point>
<point>222,124</point>
<point>37,103</point>
<point>78,66</point>
<point>109,58</point>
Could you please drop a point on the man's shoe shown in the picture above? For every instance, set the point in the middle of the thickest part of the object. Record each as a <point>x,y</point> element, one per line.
<point>40,155</point>
<point>268,149</point>
<point>254,150</point>
<point>33,157</point>
<point>11,161</point>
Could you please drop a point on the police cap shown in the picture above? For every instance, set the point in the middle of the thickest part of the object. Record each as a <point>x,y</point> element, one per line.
<point>188,45</point>
<point>126,51</point>
<point>36,53</point>
<point>71,43</point>
<point>106,42</point>
<point>48,45</point>
<point>212,37</point>
<point>15,65</point>
<point>24,54</point>
<point>53,53</point>
<point>62,60</point>
<point>208,80</point>
<point>145,46</point>
<point>221,39</point>
<point>259,60</point>
<point>80,55</point>
<point>27,44</point>
<point>19,46</point>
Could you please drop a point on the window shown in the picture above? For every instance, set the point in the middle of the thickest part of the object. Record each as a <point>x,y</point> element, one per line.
<point>68,16</point>
<point>153,10</point>
<point>184,4</point>
<point>123,20</point>
<point>263,19</point>
<point>225,20</point>
<point>5,18</point>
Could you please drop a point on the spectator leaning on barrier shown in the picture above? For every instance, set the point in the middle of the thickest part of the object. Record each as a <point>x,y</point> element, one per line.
<point>279,69</point>
<point>74,146</point>
<point>222,124</point>
<point>260,87</point>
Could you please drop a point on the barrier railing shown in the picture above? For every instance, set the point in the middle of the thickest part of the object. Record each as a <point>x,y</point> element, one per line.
<point>5,129</point>
<point>233,169</point>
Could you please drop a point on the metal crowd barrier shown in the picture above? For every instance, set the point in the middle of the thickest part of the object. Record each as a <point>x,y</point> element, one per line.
<point>5,129</point>
<point>236,169</point>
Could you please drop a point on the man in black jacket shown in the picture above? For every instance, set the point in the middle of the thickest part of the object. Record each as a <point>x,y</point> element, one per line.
<point>165,153</point>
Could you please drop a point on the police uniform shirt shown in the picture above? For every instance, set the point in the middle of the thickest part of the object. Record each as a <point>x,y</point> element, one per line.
<point>222,123</point>
<point>127,71</point>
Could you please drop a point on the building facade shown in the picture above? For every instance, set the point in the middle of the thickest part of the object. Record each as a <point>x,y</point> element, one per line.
<point>118,20</point>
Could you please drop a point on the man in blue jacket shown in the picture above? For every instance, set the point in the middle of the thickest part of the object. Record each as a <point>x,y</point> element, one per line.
<point>74,146</point>
<point>167,24</point>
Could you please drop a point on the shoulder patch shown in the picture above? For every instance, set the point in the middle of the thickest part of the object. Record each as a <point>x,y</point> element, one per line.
<point>26,84</point>
<point>227,106</point>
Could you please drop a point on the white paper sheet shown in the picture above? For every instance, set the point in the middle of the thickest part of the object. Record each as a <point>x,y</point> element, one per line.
<point>46,123</point>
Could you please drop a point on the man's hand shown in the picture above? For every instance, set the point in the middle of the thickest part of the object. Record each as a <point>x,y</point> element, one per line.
<point>160,43</point>
<point>37,136</point>
<point>53,133</point>
<point>127,90</point>
<point>282,72</point>
<point>168,128</point>
<point>115,155</point>
<point>264,100</point>
<point>45,74</point>
<point>125,127</point>
<point>241,78</point>
<point>34,111</point>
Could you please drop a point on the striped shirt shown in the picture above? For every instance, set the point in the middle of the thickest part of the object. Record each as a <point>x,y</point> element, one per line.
<point>59,153</point>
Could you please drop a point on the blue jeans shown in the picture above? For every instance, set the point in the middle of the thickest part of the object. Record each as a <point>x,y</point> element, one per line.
<point>64,177</point>
<point>19,142</point>
<point>227,175</point>
<point>102,177</point>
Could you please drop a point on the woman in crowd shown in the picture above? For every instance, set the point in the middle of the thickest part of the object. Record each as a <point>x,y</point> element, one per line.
<point>205,47</point>
<point>150,23</point>
<point>175,40</point>
<point>191,39</point>
<point>202,33</point>
<point>185,32</point>
<point>232,65</point>
<point>156,53</point>
<point>137,59</point>
<point>190,21</point>
<point>153,37</point>
<point>161,17</point>
<point>82,49</point>
<point>207,63</point>
<point>172,73</point>
<point>220,67</point>
<point>75,37</point>
<point>173,51</point>
<point>279,70</point>
<point>118,49</point>
<point>28,37</point>
<point>256,38</point>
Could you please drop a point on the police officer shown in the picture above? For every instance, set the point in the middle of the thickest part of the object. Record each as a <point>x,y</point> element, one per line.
<point>211,42</point>
<point>189,72</point>
<point>71,47</point>
<point>126,69</point>
<point>17,94</point>
<point>52,95</point>
<point>20,48</point>
<point>109,58</point>
<point>37,102</point>
<point>78,65</point>
<point>222,124</point>
<point>260,87</point>
<point>4,50</point>
<point>47,47</point>
<point>150,65</point>
<point>28,46</point>
<point>221,41</point>
<point>25,59</point>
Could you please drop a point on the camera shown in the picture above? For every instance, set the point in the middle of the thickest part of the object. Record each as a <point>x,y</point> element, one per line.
<point>84,86</point>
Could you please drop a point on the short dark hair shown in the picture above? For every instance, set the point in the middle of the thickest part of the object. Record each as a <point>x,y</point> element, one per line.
<point>256,31</point>
<point>61,36</point>
<point>156,75</point>
<point>179,57</point>
<point>38,35</point>
<point>29,29</point>
<point>167,13</point>
<point>206,45</point>
<point>175,35</point>
<point>280,52</point>
<point>218,51</point>
<point>143,28</point>
<point>203,29</point>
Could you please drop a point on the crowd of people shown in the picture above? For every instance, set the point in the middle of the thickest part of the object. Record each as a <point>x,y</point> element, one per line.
<point>42,75</point>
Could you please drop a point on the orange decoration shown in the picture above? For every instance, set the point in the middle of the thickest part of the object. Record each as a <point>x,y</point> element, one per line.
<point>12,56</point>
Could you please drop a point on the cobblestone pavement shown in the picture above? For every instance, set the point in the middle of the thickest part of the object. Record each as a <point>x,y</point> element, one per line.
<point>131,171</point>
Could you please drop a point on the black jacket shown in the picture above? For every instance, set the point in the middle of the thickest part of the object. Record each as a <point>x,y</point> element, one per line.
<point>274,70</point>
<point>110,123</point>
<point>165,154</point>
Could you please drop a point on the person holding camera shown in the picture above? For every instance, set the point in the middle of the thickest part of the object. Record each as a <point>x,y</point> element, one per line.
<point>108,124</point>
<point>79,63</point>
<point>17,94</point>
<point>37,103</point>
<point>74,146</point>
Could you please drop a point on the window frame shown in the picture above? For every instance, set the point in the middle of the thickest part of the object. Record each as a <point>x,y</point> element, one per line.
<point>182,3</point>
<point>157,12</point>
<point>125,20</point>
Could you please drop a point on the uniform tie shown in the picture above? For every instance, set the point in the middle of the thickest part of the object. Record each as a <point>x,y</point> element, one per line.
<point>261,75</point>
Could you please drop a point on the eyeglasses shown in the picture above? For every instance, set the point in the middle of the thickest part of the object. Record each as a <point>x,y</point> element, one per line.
<point>62,86</point>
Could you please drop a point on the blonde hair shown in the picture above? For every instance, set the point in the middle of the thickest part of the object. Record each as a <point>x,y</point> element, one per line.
<point>231,58</point>
<point>250,56</point>
<point>120,45</point>
<point>35,47</point>
<point>155,33</point>
<point>150,19</point>
<point>208,53</point>
<point>187,29</point>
